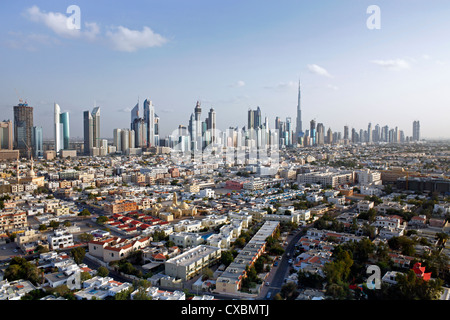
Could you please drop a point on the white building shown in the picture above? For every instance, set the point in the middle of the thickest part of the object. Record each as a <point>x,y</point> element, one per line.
<point>191,262</point>
<point>60,239</point>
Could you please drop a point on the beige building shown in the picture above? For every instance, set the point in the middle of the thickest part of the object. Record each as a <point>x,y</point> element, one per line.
<point>191,262</point>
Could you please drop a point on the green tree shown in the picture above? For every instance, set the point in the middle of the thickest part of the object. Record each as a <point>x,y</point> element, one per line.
<point>102,271</point>
<point>78,254</point>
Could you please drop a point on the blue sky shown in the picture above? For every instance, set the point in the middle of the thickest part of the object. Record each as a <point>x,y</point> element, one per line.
<point>230,55</point>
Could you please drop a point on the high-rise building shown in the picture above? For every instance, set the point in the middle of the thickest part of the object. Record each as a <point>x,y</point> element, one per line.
<point>320,135</point>
<point>23,127</point>
<point>91,130</point>
<point>37,142</point>
<point>150,120</point>
<point>61,129</point>
<point>211,125</point>
<point>117,135</point>
<point>6,135</point>
<point>298,130</point>
<point>312,132</point>
<point>416,131</point>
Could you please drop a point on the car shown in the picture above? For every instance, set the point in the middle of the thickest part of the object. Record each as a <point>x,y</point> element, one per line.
<point>269,294</point>
<point>267,284</point>
<point>276,263</point>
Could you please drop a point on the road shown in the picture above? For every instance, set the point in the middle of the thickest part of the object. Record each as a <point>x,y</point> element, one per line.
<point>280,272</point>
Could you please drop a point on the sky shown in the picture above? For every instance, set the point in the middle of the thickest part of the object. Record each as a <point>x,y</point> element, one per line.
<point>232,56</point>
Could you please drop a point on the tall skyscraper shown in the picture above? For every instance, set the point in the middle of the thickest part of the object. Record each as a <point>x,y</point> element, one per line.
<point>6,135</point>
<point>211,125</point>
<point>37,142</point>
<point>23,127</point>
<point>91,130</point>
<point>416,131</point>
<point>149,118</point>
<point>61,129</point>
<point>298,130</point>
<point>312,132</point>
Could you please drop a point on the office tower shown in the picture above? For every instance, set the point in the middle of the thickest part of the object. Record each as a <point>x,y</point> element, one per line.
<point>346,135</point>
<point>298,130</point>
<point>91,130</point>
<point>329,136</point>
<point>156,130</point>
<point>369,133</point>
<point>320,135</point>
<point>57,127</point>
<point>37,142</point>
<point>385,134</point>
<point>117,135</point>
<point>288,131</point>
<point>151,122</point>
<point>312,132</point>
<point>416,131</point>
<point>23,127</point>
<point>6,135</point>
<point>198,112</point>
<point>254,119</point>
<point>125,140</point>
<point>212,126</point>
<point>134,114</point>
<point>61,129</point>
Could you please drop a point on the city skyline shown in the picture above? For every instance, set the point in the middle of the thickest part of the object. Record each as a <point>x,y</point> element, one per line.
<point>359,76</point>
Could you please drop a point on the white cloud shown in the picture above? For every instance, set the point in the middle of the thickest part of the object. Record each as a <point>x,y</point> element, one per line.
<point>237,84</point>
<point>314,68</point>
<point>120,38</point>
<point>124,39</point>
<point>283,85</point>
<point>58,23</point>
<point>333,87</point>
<point>395,64</point>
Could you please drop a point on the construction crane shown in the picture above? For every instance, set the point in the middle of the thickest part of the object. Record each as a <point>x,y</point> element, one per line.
<point>18,96</point>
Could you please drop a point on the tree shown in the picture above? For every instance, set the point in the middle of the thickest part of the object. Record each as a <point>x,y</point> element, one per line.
<point>102,271</point>
<point>102,219</point>
<point>227,258</point>
<point>289,291</point>
<point>78,254</point>
<point>411,287</point>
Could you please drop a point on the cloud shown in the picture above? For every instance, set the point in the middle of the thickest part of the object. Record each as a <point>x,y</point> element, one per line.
<point>237,84</point>
<point>120,38</point>
<point>395,64</point>
<point>283,85</point>
<point>314,68</point>
<point>124,39</point>
<point>58,23</point>
<point>333,87</point>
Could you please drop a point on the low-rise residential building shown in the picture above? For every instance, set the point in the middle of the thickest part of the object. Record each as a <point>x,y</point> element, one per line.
<point>191,262</point>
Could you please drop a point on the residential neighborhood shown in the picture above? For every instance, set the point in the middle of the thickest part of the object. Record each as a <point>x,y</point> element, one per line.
<point>144,228</point>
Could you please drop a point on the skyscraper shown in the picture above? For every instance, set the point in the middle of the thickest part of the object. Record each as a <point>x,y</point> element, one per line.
<point>211,125</point>
<point>23,127</point>
<point>6,135</point>
<point>150,120</point>
<point>312,132</point>
<point>61,129</point>
<point>298,130</point>
<point>91,130</point>
<point>37,142</point>
<point>416,130</point>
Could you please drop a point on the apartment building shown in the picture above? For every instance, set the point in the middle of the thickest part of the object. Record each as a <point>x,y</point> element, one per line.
<point>230,280</point>
<point>191,262</point>
<point>13,221</point>
<point>121,206</point>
